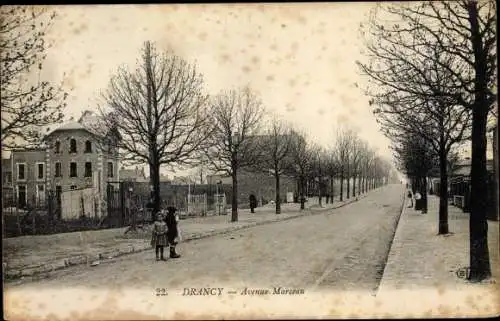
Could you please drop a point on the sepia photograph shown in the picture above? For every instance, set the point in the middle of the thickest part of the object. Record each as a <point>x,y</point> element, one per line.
<point>329,160</point>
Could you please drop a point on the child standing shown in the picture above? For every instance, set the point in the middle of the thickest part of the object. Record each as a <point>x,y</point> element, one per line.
<point>159,236</point>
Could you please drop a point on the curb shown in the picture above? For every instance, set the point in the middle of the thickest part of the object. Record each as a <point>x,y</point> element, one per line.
<point>401,213</point>
<point>34,270</point>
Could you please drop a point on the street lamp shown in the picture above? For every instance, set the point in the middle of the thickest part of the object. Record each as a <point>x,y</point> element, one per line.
<point>218,196</point>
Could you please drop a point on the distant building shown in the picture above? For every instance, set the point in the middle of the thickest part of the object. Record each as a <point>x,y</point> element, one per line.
<point>165,179</point>
<point>73,156</point>
<point>459,186</point>
<point>260,184</point>
<point>133,175</point>
<point>26,170</point>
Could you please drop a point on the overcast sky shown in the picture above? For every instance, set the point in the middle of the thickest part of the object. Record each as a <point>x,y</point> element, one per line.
<point>300,58</point>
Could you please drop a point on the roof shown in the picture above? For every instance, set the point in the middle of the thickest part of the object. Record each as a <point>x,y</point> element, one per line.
<point>464,167</point>
<point>87,122</point>
<point>6,165</point>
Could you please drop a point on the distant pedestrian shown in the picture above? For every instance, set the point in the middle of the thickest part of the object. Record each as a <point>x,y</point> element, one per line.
<point>159,236</point>
<point>253,203</point>
<point>409,194</point>
<point>173,234</point>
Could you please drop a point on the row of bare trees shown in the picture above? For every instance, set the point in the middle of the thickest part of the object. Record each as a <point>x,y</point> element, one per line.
<point>165,118</point>
<point>432,70</point>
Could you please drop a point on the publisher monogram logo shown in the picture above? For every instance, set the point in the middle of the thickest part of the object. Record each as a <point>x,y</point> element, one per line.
<point>463,272</point>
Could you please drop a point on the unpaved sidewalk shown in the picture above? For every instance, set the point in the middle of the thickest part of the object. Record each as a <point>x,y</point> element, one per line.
<point>424,271</point>
<point>32,255</point>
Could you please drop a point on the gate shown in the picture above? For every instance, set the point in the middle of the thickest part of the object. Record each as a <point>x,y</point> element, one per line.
<point>122,203</point>
<point>115,204</point>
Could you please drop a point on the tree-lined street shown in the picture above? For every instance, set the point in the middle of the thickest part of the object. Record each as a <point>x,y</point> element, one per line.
<point>365,165</point>
<point>342,249</point>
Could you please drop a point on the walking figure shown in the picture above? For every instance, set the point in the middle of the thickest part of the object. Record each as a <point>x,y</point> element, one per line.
<point>253,203</point>
<point>173,234</point>
<point>410,197</point>
<point>159,236</point>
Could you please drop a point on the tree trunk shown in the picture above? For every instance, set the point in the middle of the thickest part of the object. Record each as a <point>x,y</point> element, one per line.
<point>154,174</point>
<point>495,171</point>
<point>342,185</point>
<point>234,197</point>
<point>348,184</point>
<point>478,225</point>
<point>423,192</point>
<point>360,184</point>
<point>354,186</point>
<point>443,190</point>
<point>278,198</point>
<point>479,255</point>
<point>331,188</point>
<point>302,195</point>
<point>320,194</point>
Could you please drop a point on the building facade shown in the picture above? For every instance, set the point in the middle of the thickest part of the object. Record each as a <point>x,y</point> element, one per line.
<point>71,157</point>
<point>77,160</point>
<point>28,175</point>
<point>261,185</point>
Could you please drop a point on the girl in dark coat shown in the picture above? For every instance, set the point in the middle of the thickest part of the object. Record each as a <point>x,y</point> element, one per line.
<point>173,232</point>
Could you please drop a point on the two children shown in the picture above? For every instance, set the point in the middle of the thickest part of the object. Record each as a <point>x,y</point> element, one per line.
<point>165,233</point>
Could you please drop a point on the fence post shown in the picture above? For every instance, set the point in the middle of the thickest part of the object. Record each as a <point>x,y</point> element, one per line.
<point>34,222</point>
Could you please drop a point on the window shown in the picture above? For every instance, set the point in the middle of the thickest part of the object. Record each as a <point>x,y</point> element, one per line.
<point>58,172</point>
<point>57,147</point>
<point>72,145</point>
<point>110,169</point>
<point>40,167</point>
<point>88,146</point>
<point>72,170</point>
<point>21,171</point>
<point>72,187</point>
<point>40,194</point>
<point>8,177</point>
<point>88,169</point>
<point>21,196</point>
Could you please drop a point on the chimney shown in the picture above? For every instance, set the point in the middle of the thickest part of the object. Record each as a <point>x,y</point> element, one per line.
<point>85,113</point>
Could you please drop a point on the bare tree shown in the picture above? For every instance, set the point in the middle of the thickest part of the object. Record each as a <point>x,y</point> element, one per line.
<point>368,161</point>
<point>159,110</point>
<point>301,163</point>
<point>236,116</point>
<point>27,103</point>
<point>319,170</point>
<point>343,149</point>
<point>355,152</point>
<point>277,147</point>
<point>416,159</point>
<point>332,170</point>
<point>360,165</point>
